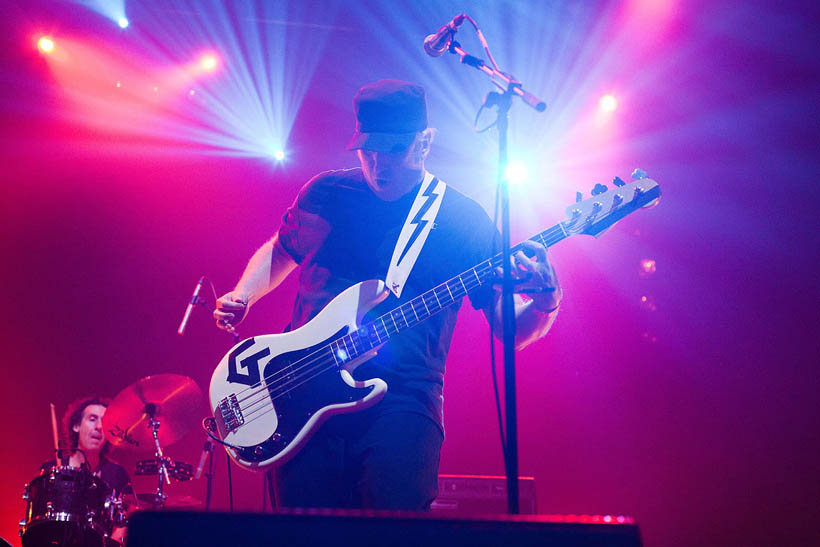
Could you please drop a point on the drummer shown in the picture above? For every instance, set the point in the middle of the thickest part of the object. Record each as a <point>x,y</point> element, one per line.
<point>82,424</point>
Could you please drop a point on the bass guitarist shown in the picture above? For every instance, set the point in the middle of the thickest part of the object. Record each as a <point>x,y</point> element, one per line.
<point>344,227</point>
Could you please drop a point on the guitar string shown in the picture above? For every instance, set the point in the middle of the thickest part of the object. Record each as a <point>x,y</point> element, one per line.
<point>269,392</point>
<point>426,297</point>
<point>286,387</point>
<point>555,230</point>
<point>323,361</point>
<point>293,373</point>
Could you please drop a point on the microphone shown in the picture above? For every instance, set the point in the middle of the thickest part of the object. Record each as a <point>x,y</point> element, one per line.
<point>191,304</point>
<point>436,44</point>
<point>209,446</point>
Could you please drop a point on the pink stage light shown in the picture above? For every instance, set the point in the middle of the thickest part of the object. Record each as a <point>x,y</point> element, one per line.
<point>209,62</point>
<point>45,44</point>
<point>648,267</point>
<point>608,103</point>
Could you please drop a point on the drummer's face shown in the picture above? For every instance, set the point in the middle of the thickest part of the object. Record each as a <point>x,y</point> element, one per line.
<point>90,429</point>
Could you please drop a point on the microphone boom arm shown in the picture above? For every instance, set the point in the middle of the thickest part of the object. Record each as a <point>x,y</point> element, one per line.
<point>502,80</point>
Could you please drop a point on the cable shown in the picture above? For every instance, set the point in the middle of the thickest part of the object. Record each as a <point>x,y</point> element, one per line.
<point>230,480</point>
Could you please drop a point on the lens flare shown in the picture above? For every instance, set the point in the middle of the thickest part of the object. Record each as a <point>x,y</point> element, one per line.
<point>123,22</point>
<point>517,172</point>
<point>208,62</point>
<point>45,44</point>
<point>608,103</point>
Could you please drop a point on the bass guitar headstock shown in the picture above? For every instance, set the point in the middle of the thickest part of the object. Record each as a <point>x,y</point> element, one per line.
<point>594,215</point>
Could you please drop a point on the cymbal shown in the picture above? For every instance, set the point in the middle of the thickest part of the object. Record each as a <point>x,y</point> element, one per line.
<point>151,501</point>
<point>175,401</point>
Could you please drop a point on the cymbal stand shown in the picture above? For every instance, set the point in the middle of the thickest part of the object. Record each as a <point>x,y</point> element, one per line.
<point>162,470</point>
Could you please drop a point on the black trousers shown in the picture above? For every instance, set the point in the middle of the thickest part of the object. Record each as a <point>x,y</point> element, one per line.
<point>364,460</point>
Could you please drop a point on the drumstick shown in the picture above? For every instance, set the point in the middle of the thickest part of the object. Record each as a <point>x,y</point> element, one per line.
<point>54,427</point>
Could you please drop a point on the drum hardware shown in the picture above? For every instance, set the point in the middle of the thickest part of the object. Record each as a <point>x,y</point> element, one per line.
<point>177,470</point>
<point>155,411</point>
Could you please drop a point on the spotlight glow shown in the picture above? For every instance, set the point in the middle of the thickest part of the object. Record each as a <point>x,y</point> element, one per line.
<point>45,44</point>
<point>279,154</point>
<point>123,22</point>
<point>517,173</point>
<point>208,62</point>
<point>648,267</point>
<point>608,103</point>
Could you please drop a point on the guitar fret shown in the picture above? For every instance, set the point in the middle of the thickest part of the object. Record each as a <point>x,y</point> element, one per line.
<point>377,331</point>
<point>361,348</point>
<point>369,336</point>
<point>340,353</point>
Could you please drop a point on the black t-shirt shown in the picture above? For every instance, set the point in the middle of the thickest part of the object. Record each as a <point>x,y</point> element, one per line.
<point>341,233</point>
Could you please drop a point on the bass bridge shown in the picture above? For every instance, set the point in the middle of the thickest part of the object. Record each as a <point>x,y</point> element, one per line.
<point>231,414</point>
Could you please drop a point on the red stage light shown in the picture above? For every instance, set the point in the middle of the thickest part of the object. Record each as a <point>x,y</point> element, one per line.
<point>45,44</point>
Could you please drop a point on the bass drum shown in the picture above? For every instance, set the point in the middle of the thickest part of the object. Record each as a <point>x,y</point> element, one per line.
<point>66,506</point>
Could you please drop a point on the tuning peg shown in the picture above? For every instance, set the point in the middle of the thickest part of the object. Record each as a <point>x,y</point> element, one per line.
<point>578,197</point>
<point>639,174</point>
<point>599,189</point>
<point>618,181</point>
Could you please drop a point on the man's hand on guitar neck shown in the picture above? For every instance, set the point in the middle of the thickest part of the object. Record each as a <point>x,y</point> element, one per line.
<point>536,277</point>
<point>539,280</point>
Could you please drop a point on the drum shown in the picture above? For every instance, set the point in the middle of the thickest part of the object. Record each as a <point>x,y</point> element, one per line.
<point>67,506</point>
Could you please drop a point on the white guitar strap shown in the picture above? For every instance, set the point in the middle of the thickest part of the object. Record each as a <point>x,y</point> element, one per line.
<point>414,233</point>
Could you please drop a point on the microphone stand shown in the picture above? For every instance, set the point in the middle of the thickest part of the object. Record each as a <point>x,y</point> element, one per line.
<point>503,101</point>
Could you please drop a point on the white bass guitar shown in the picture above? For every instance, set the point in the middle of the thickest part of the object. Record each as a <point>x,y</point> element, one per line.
<point>271,392</point>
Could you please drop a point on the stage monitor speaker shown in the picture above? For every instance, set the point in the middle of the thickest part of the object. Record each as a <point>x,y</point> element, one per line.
<point>370,529</point>
<point>465,495</point>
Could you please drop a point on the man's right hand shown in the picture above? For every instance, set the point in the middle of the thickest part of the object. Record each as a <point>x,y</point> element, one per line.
<point>230,310</point>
